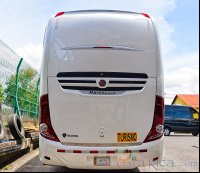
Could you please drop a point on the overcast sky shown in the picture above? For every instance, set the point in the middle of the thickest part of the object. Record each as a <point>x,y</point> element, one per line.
<point>22,25</point>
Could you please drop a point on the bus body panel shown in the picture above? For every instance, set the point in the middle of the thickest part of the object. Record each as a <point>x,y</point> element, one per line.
<point>96,60</point>
<point>101,29</point>
<point>86,115</point>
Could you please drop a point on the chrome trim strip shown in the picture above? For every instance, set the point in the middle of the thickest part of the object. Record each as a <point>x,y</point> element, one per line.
<point>125,85</point>
<point>96,85</point>
<point>79,84</point>
<point>95,47</point>
<point>110,79</point>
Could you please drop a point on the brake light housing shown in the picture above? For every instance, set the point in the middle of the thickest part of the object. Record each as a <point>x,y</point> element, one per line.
<point>59,14</point>
<point>46,129</point>
<point>146,15</point>
<point>158,122</point>
<point>100,47</point>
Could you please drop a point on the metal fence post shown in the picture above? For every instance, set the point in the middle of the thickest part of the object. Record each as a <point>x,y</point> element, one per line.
<point>16,90</point>
<point>36,101</point>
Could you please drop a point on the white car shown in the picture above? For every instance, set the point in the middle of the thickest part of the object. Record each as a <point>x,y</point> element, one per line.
<point>102,91</point>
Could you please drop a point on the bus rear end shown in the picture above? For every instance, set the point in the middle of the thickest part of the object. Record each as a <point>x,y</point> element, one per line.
<point>101,101</point>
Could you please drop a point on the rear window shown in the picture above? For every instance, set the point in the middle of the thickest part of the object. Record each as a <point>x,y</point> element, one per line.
<point>95,29</point>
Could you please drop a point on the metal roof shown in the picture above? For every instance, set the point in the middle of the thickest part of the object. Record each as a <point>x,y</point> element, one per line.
<point>191,100</point>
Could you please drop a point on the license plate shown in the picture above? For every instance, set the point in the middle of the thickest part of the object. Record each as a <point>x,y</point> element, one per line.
<point>102,161</point>
<point>127,137</point>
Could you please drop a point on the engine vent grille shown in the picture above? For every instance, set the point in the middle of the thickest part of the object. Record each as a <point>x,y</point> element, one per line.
<point>114,81</point>
<point>102,74</point>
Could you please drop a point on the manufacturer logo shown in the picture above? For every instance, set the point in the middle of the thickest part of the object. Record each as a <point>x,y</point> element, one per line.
<point>68,135</point>
<point>72,136</point>
<point>102,93</point>
<point>102,83</point>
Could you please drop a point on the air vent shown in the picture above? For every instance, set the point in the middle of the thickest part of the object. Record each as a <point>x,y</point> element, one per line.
<point>90,81</point>
<point>102,74</point>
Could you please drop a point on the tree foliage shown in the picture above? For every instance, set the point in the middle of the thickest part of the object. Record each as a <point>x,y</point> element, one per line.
<point>27,88</point>
<point>1,93</point>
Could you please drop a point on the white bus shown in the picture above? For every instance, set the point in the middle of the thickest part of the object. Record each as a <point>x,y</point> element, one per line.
<point>102,91</point>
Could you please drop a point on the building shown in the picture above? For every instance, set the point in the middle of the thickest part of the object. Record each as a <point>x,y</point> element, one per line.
<point>187,100</point>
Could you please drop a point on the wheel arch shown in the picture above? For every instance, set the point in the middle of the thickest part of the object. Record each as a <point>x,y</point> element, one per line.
<point>167,125</point>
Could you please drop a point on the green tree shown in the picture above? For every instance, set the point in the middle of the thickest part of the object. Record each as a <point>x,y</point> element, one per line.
<point>1,93</point>
<point>27,86</point>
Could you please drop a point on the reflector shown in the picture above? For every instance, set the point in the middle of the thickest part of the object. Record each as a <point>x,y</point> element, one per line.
<point>77,151</point>
<point>154,159</point>
<point>61,151</point>
<point>143,151</point>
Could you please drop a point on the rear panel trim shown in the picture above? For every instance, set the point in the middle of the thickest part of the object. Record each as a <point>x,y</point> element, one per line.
<point>102,89</point>
<point>101,144</point>
<point>103,74</point>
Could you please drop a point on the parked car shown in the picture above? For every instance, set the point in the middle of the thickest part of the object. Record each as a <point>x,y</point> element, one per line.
<point>101,90</point>
<point>181,119</point>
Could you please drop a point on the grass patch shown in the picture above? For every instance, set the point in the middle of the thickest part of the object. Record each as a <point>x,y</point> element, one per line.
<point>6,168</point>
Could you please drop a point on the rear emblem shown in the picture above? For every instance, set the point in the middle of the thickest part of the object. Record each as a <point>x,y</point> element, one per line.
<point>102,83</point>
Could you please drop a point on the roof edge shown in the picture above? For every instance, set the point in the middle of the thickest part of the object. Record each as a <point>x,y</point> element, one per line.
<point>100,11</point>
<point>174,99</point>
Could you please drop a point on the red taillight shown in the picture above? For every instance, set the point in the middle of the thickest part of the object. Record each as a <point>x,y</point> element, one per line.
<point>143,151</point>
<point>154,159</point>
<point>61,151</point>
<point>110,152</point>
<point>59,14</point>
<point>45,119</point>
<point>146,15</point>
<point>102,47</point>
<point>158,120</point>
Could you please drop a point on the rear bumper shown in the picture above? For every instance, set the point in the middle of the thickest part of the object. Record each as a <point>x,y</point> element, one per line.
<point>85,160</point>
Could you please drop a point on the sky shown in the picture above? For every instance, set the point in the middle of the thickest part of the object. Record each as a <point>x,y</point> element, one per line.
<point>23,22</point>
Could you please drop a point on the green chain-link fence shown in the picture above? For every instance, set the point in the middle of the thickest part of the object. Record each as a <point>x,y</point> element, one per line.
<point>19,86</point>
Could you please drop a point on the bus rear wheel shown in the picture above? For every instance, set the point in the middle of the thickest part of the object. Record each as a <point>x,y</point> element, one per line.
<point>167,131</point>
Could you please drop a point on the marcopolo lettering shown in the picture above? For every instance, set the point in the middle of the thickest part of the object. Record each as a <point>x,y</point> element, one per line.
<point>102,93</point>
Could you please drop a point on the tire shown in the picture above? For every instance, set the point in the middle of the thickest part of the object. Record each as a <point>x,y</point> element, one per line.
<point>2,132</point>
<point>167,131</point>
<point>195,134</point>
<point>16,126</point>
